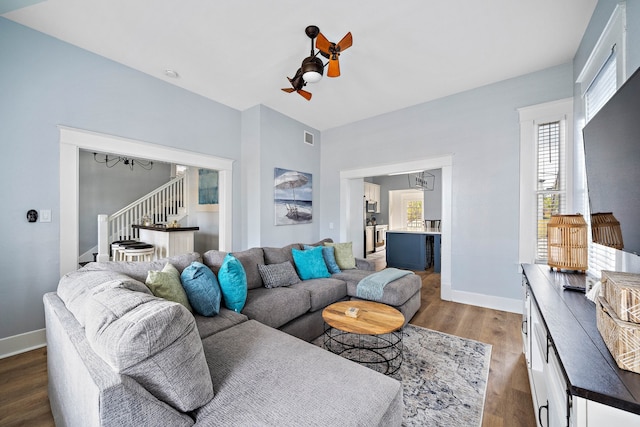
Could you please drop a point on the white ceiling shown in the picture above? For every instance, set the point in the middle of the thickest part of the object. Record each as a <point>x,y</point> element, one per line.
<point>239,52</point>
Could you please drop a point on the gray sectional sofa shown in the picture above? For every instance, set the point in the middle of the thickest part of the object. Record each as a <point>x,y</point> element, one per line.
<point>119,356</point>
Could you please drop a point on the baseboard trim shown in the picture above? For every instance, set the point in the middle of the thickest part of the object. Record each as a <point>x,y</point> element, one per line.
<point>21,343</point>
<point>487,301</point>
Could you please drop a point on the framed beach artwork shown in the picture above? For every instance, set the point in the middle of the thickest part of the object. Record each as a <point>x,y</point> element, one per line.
<point>293,197</point>
<point>207,190</point>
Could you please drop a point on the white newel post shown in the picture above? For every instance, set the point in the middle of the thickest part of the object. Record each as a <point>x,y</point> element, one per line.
<point>103,238</point>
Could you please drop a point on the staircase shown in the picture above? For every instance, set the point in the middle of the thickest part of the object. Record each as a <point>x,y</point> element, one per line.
<point>162,205</point>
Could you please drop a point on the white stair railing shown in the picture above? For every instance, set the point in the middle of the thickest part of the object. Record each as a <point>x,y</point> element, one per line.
<point>157,205</point>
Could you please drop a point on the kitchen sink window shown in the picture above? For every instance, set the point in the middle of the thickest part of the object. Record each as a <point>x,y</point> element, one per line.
<point>413,211</point>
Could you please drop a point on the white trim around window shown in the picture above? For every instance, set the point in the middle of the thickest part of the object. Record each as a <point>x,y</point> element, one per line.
<point>530,118</point>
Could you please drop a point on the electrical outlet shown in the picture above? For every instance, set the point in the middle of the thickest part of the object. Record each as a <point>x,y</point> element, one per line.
<point>45,215</point>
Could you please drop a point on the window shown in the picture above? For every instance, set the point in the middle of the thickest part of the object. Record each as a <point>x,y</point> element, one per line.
<point>550,181</point>
<point>414,213</point>
<point>602,74</point>
<point>546,159</point>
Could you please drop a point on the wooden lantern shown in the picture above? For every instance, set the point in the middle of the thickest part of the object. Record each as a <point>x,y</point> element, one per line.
<point>567,243</point>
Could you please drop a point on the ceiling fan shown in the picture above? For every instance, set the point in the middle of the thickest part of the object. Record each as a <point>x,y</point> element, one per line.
<point>312,67</point>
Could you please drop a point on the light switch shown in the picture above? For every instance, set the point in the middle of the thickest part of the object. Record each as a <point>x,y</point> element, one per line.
<point>45,215</point>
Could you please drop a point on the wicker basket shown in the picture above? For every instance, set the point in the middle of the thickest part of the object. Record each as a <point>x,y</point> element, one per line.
<point>622,338</point>
<point>606,230</point>
<point>622,293</point>
<point>567,245</point>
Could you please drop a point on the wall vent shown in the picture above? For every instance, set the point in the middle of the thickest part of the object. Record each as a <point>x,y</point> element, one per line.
<point>308,138</point>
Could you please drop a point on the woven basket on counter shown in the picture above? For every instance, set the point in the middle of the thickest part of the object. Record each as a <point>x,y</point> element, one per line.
<point>567,244</point>
<point>622,338</point>
<point>622,293</point>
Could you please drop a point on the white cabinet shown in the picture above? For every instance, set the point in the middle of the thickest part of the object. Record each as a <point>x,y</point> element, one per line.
<point>554,404</point>
<point>372,194</point>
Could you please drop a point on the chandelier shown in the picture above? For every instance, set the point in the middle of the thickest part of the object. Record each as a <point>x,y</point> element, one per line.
<point>114,160</point>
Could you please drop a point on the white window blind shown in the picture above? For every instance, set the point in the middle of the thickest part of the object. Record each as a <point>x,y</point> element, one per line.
<point>551,180</point>
<point>602,88</point>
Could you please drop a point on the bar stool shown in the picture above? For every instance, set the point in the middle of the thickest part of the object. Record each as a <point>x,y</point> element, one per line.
<point>117,249</point>
<point>138,252</point>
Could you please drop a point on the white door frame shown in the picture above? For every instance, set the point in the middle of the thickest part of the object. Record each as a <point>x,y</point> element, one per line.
<point>72,140</point>
<point>445,163</point>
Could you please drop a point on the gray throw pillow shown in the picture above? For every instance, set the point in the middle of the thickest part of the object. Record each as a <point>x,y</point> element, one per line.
<point>276,275</point>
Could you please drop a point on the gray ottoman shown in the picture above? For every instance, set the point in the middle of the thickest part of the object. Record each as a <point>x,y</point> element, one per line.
<point>402,294</point>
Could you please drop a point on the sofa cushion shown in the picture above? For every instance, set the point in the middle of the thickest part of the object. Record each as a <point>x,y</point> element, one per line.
<point>166,284</point>
<point>249,259</point>
<point>202,289</point>
<point>344,255</point>
<point>323,292</point>
<point>276,275</point>
<point>278,255</point>
<point>77,286</point>
<point>226,318</point>
<point>233,283</point>
<point>277,306</point>
<point>310,263</point>
<point>152,340</point>
<point>285,381</point>
<point>138,269</point>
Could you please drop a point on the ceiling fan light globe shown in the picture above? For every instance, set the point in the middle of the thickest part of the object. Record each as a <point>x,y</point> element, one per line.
<point>312,77</point>
<point>312,69</point>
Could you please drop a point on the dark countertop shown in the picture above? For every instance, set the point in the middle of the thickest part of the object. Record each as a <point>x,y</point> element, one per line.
<point>163,228</point>
<point>570,318</point>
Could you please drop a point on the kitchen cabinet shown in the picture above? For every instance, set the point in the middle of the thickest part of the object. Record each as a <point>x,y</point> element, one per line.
<point>408,249</point>
<point>573,378</point>
<point>372,194</point>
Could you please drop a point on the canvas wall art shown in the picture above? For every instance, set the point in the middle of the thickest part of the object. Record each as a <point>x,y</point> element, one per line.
<point>293,197</point>
<point>207,187</point>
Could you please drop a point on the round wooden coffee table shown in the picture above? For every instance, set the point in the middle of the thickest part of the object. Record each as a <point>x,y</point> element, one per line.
<point>373,339</point>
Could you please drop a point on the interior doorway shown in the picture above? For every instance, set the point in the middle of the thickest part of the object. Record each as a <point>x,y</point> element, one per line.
<point>72,140</point>
<point>351,206</point>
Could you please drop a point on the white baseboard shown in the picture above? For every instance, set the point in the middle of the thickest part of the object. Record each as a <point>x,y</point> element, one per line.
<point>21,343</point>
<point>487,301</point>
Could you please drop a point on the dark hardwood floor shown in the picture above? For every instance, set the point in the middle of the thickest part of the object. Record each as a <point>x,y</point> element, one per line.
<point>23,378</point>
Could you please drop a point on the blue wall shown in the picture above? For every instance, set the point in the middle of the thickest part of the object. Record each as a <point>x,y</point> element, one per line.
<point>44,83</point>
<point>481,129</point>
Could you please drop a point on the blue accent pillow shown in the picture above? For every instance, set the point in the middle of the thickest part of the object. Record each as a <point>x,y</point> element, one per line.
<point>328,253</point>
<point>233,283</point>
<point>310,263</point>
<point>202,288</point>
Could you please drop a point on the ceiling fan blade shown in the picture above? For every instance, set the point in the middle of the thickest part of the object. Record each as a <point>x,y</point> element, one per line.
<point>288,89</point>
<point>306,95</point>
<point>346,42</point>
<point>323,44</point>
<point>334,68</point>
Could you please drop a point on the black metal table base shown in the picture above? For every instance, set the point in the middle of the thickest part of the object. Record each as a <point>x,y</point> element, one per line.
<point>382,353</point>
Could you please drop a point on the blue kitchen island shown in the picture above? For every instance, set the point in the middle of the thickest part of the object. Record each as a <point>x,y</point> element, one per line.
<point>411,248</point>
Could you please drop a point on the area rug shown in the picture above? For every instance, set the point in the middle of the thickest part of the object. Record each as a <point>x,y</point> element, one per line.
<point>444,378</point>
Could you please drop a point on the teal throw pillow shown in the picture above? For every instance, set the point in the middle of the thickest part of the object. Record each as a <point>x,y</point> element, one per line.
<point>328,253</point>
<point>233,283</point>
<point>202,289</point>
<point>310,263</point>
